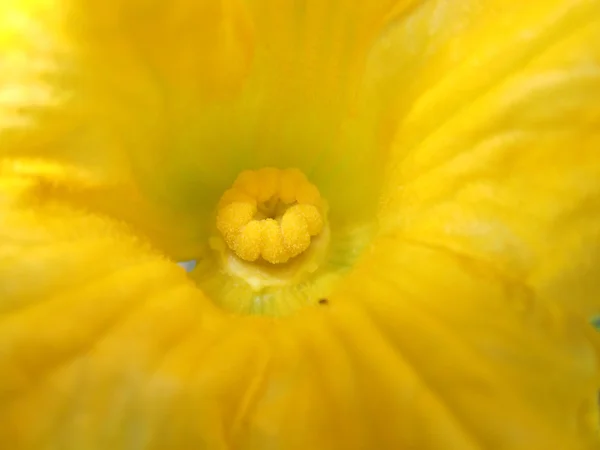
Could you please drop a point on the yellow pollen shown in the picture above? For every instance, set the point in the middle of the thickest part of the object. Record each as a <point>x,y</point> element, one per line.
<point>270,214</point>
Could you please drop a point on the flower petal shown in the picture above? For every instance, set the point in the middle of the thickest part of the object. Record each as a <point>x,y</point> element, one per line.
<point>104,344</point>
<point>471,354</point>
<point>425,349</point>
<point>183,95</point>
<point>42,113</point>
<point>111,86</point>
<point>47,182</point>
<point>496,153</point>
<point>301,106</point>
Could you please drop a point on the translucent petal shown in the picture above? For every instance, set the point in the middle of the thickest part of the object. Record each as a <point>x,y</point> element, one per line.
<point>495,154</point>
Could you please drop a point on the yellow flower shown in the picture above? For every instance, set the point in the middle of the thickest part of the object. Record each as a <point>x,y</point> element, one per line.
<point>393,208</point>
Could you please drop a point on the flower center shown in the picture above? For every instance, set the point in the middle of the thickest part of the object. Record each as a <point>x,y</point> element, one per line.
<point>270,215</point>
<point>273,248</point>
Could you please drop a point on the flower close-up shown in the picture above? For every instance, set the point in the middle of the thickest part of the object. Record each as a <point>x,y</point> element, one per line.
<point>299,224</point>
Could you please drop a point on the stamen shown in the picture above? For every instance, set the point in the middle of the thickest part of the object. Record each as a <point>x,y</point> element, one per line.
<point>270,214</point>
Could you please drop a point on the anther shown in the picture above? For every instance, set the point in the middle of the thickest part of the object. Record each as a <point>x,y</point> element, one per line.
<point>270,214</point>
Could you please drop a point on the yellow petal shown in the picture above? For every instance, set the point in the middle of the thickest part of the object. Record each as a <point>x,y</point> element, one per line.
<point>302,106</point>
<point>175,235</point>
<point>496,153</point>
<point>120,85</point>
<point>42,107</point>
<point>428,350</point>
<point>449,344</point>
<point>182,95</point>
<point>102,340</point>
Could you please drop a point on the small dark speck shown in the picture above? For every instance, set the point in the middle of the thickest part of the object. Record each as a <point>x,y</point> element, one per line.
<point>323,301</point>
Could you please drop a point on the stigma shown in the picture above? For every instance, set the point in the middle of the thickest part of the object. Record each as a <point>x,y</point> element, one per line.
<point>270,215</point>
